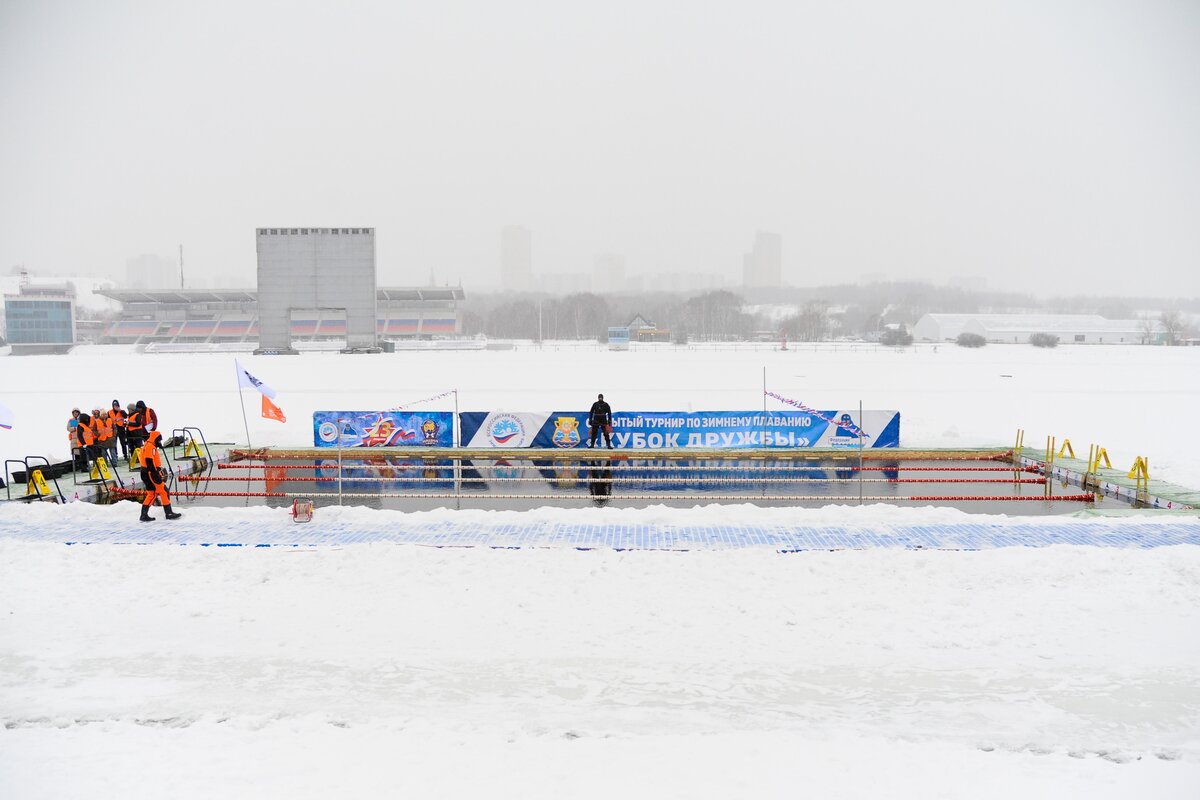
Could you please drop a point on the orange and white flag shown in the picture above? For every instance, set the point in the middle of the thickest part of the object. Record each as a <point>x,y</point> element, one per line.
<point>272,411</point>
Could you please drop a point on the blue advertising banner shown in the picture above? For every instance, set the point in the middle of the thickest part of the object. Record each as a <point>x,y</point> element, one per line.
<point>383,429</point>
<point>640,430</point>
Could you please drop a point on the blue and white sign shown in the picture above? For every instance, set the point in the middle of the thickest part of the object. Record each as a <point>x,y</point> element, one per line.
<point>383,429</point>
<point>641,430</point>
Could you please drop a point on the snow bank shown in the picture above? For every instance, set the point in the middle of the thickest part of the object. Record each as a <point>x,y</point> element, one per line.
<point>188,672</point>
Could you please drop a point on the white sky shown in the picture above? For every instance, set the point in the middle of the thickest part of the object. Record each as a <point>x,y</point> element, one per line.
<point>1048,145</point>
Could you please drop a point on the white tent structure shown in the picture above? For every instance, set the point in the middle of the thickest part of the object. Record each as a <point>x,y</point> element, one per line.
<point>1017,328</point>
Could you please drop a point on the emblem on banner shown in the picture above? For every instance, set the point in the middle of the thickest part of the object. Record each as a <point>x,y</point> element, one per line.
<point>430,429</point>
<point>566,432</point>
<point>504,428</point>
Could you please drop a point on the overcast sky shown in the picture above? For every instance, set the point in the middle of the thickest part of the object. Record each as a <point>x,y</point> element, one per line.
<point>1044,144</point>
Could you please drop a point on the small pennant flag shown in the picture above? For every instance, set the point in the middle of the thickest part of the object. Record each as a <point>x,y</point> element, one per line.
<point>272,411</point>
<point>246,379</point>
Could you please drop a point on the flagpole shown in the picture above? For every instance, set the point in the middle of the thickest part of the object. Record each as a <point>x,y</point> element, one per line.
<point>242,400</point>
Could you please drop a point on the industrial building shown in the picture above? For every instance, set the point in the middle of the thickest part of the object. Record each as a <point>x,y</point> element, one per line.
<point>1017,328</point>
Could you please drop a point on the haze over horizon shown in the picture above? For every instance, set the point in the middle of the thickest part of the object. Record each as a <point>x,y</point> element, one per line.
<point>1051,149</point>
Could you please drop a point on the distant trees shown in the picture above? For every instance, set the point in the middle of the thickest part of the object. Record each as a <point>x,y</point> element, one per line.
<point>516,319</point>
<point>1174,327</point>
<point>1043,340</point>
<point>896,337</point>
<point>970,340</point>
<point>716,316</point>
<point>1148,327</point>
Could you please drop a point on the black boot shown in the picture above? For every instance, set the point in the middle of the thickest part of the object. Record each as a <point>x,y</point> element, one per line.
<point>146,514</point>
<point>171,514</point>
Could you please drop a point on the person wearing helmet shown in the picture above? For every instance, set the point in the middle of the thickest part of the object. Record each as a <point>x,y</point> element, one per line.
<point>150,461</point>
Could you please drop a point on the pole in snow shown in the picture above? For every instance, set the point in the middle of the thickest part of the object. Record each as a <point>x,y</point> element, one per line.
<point>242,400</point>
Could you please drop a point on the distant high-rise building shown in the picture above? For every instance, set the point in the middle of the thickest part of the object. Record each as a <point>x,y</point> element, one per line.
<point>608,273</point>
<point>763,265</point>
<point>151,272</point>
<point>516,258</point>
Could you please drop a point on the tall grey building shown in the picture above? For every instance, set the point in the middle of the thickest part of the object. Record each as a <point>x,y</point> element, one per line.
<point>763,265</point>
<point>310,269</point>
<point>516,258</point>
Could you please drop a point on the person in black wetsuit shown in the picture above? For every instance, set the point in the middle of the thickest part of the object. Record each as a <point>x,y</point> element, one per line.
<point>600,419</point>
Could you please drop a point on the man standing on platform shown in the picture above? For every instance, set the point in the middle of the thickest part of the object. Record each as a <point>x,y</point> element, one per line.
<point>600,418</point>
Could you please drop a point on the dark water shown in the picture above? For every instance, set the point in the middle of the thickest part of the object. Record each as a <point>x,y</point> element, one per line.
<point>415,484</point>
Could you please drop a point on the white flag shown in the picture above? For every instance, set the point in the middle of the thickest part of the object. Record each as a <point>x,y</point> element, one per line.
<point>246,379</point>
<point>6,417</point>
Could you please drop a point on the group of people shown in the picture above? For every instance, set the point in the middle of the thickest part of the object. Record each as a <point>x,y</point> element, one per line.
<point>99,433</point>
<point>135,430</point>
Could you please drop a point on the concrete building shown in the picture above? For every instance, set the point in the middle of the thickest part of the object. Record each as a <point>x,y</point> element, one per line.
<point>516,259</point>
<point>40,318</point>
<point>763,265</point>
<point>307,270</point>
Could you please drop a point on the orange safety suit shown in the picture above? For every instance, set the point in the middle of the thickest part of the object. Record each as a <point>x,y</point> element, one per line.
<point>150,461</point>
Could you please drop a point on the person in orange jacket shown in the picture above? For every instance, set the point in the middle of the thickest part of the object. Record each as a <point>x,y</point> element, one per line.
<point>150,419</point>
<point>135,426</point>
<point>118,417</point>
<point>85,436</point>
<point>150,461</point>
<point>106,441</point>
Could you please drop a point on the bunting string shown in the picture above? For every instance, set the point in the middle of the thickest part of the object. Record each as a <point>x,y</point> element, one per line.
<point>850,426</point>
<point>403,406</point>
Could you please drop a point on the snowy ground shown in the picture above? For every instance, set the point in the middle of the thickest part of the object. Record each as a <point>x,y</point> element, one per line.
<point>386,670</point>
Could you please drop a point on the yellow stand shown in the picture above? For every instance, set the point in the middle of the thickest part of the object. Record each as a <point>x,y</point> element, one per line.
<point>1140,471</point>
<point>1066,448</point>
<point>1100,453</point>
<point>192,450</point>
<point>37,485</point>
<point>134,457</point>
<point>103,468</point>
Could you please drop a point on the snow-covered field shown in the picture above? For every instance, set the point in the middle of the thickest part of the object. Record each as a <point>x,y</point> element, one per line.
<point>384,670</point>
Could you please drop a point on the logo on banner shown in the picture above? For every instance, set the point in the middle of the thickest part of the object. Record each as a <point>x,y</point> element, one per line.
<point>845,434</point>
<point>386,433</point>
<point>327,431</point>
<point>430,429</point>
<point>566,432</point>
<point>504,428</point>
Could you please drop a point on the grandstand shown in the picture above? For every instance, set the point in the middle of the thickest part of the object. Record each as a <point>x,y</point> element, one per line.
<point>230,316</point>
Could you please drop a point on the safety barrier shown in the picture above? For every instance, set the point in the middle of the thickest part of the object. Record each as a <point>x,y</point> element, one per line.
<point>1084,498</point>
<point>36,487</point>
<point>646,479</point>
